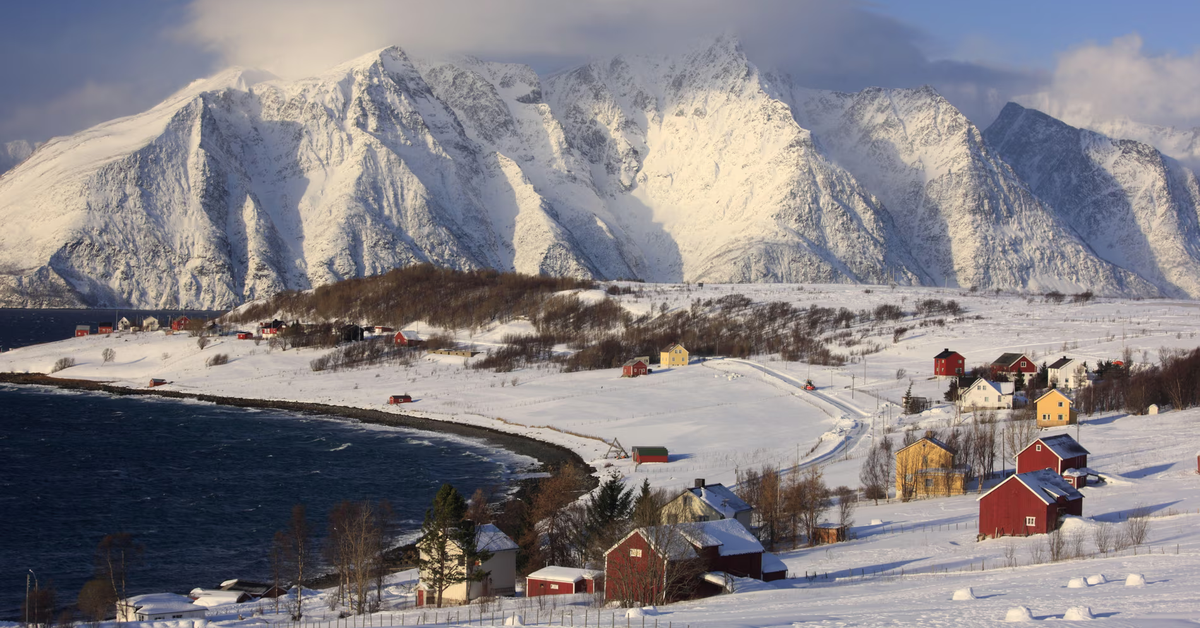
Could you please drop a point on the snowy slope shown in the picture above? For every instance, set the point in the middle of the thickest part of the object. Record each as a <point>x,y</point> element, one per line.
<point>13,153</point>
<point>1095,182</point>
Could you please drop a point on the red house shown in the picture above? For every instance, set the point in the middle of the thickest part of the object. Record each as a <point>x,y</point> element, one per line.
<point>1013,363</point>
<point>83,330</point>
<point>563,581</point>
<point>104,328</point>
<point>948,363</point>
<point>245,335</point>
<point>408,338</point>
<point>650,454</point>
<point>635,367</point>
<point>179,323</point>
<point>1028,503</point>
<point>1059,453</point>
<point>399,399</point>
<point>639,567</point>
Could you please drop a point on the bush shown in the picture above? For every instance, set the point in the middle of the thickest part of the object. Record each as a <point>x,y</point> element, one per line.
<point>62,363</point>
<point>218,359</point>
<point>202,342</point>
<point>108,355</point>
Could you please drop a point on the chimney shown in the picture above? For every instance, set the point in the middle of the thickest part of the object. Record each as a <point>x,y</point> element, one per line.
<point>928,433</point>
<point>699,482</point>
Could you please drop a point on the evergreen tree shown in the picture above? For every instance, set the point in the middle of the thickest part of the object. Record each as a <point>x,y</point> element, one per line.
<point>446,536</point>
<point>608,512</point>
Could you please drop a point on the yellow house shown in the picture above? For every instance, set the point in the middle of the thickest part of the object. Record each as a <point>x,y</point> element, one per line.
<point>672,356</point>
<point>1054,409</point>
<point>926,469</point>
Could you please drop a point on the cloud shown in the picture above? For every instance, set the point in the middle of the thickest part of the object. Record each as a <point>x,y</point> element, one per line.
<point>831,44</point>
<point>1121,80</point>
<point>85,106</point>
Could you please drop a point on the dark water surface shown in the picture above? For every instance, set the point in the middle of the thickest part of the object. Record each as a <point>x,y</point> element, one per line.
<point>21,327</point>
<point>203,487</point>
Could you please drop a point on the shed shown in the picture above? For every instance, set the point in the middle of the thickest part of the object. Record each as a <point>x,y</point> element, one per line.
<point>563,581</point>
<point>635,367</point>
<point>827,533</point>
<point>650,454</point>
<point>1028,503</point>
<point>156,382</point>
<point>83,330</point>
<point>104,328</point>
<point>245,335</point>
<point>408,338</point>
<point>399,399</point>
<point>948,363</point>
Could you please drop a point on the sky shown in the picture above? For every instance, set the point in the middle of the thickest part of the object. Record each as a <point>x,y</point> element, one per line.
<point>70,64</point>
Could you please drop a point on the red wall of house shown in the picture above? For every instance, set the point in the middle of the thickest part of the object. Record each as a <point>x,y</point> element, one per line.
<point>535,587</point>
<point>744,565</point>
<point>640,458</point>
<point>624,574</point>
<point>1002,512</point>
<point>1031,460</point>
<point>953,365</point>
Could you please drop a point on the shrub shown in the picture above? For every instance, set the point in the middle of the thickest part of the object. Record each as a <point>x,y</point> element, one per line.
<point>202,342</point>
<point>218,359</point>
<point>62,363</point>
<point>108,355</point>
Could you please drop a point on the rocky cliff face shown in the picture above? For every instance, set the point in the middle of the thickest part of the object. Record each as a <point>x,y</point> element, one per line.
<point>695,167</point>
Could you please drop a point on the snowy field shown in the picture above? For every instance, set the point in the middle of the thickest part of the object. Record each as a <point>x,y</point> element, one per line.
<point>723,415</point>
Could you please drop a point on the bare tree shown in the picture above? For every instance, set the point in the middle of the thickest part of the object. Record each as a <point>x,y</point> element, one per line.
<point>666,570</point>
<point>1010,554</point>
<point>297,555</point>
<point>477,508</point>
<point>108,355</point>
<point>813,501</point>
<point>202,342</point>
<point>115,555</point>
<point>847,501</point>
<point>39,606</point>
<point>1136,527</point>
<point>548,525</point>
<point>279,552</point>
<point>1056,542</point>
<point>96,600</point>
<point>876,471</point>
<point>1102,536</point>
<point>1075,541</point>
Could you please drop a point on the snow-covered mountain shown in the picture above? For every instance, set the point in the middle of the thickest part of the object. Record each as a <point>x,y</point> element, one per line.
<point>1134,206</point>
<point>13,153</point>
<point>693,167</point>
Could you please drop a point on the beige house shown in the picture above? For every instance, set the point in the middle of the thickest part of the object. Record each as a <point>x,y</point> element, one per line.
<point>150,324</point>
<point>672,356</point>
<point>1067,373</point>
<point>707,502</point>
<point>501,571</point>
<point>1054,409</point>
<point>158,607</point>
<point>985,395</point>
<point>926,469</point>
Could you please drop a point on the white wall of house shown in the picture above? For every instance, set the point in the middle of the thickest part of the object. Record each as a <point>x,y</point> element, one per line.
<point>984,396</point>
<point>1071,376</point>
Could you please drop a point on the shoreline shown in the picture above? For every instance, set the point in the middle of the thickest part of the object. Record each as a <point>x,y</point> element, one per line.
<point>548,455</point>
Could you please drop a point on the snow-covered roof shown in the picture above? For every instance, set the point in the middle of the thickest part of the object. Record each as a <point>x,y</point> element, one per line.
<point>1062,445</point>
<point>772,564</point>
<point>1047,485</point>
<point>1000,388</point>
<point>633,361</point>
<point>728,535</point>
<point>409,334</point>
<point>160,603</point>
<point>489,538</point>
<point>721,499</point>
<point>564,574</point>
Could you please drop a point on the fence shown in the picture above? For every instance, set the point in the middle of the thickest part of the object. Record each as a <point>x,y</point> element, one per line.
<point>473,617</point>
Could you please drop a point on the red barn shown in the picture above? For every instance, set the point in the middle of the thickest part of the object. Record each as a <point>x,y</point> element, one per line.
<point>245,335</point>
<point>1059,452</point>
<point>563,581</point>
<point>948,363</point>
<point>638,567</point>
<point>635,367</point>
<point>650,454</point>
<point>400,399</point>
<point>1028,503</point>
<point>104,328</point>
<point>408,338</point>
<point>1014,363</point>
<point>83,330</point>
<point>179,323</point>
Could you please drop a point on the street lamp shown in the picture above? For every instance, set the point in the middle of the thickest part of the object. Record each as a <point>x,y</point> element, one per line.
<point>35,589</point>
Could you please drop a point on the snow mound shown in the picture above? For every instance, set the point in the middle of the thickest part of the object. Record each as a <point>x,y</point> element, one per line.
<point>515,620</point>
<point>877,522</point>
<point>964,594</point>
<point>648,611</point>
<point>1020,613</point>
<point>1135,580</point>
<point>1078,613</point>
<point>1097,579</point>
<point>1077,583</point>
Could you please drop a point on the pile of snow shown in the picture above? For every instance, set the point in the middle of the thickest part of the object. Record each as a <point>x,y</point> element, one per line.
<point>1078,613</point>
<point>1077,583</point>
<point>964,594</point>
<point>646,611</point>
<point>515,620</point>
<point>877,522</point>
<point>1097,579</point>
<point>1135,580</point>
<point>1020,613</point>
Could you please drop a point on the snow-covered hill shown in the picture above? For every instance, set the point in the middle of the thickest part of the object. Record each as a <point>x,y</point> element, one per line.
<point>694,167</point>
<point>13,153</point>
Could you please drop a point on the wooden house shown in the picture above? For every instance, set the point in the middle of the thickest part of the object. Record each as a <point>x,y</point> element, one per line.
<point>926,469</point>
<point>104,328</point>
<point>1059,453</point>
<point>827,533</point>
<point>563,581</point>
<point>1067,373</point>
<point>180,323</point>
<point>408,338</point>
<point>635,367</point>
<point>1013,363</point>
<point>394,399</point>
<point>245,335</point>
<point>272,328</point>
<point>672,356</point>
<point>124,324</point>
<point>1028,503</point>
<point>949,364</point>
<point>707,502</point>
<point>650,454</point>
<point>986,395</point>
<point>501,571</point>
<point>83,330</point>
<point>1054,409</point>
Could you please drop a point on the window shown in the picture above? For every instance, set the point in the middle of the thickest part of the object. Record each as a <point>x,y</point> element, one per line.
<point>928,482</point>
<point>635,553</point>
<point>554,587</point>
<point>1022,363</point>
<point>1038,447</point>
<point>985,398</point>
<point>1060,417</point>
<point>1060,404</point>
<point>958,371</point>
<point>1045,417</point>
<point>1030,521</point>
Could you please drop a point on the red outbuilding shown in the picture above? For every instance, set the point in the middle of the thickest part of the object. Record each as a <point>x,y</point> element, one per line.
<point>180,323</point>
<point>104,328</point>
<point>1013,363</point>
<point>245,335</point>
<point>563,581</point>
<point>408,338</point>
<point>635,367</point>
<point>650,454</point>
<point>156,382</point>
<point>1028,503</point>
<point>1059,453</point>
<point>400,399</point>
<point>949,364</point>
<point>83,330</point>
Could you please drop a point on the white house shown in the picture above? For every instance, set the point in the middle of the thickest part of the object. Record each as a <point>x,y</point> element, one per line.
<point>501,571</point>
<point>158,607</point>
<point>124,324</point>
<point>151,324</point>
<point>1067,373</point>
<point>986,395</point>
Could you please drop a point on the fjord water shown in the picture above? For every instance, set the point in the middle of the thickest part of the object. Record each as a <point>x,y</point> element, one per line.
<point>202,487</point>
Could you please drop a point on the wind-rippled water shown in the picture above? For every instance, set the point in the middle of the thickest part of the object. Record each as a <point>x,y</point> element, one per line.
<point>202,487</point>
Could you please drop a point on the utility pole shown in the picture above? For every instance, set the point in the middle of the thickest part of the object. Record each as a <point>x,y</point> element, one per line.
<point>852,376</point>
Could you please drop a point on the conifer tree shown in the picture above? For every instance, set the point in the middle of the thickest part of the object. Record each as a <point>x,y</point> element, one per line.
<point>448,552</point>
<point>608,512</point>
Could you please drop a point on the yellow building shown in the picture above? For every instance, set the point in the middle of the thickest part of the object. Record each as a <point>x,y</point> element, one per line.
<point>672,356</point>
<point>1054,409</point>
<point>926,469</point>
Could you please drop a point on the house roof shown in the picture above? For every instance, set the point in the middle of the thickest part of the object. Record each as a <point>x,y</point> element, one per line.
<point>409,334</point>
<point>729,536</point>
<point>651,451</point>
<point>1008,359</point>
<point>931,439</point>
<point>772,564</point>
<point>564,574</point>
<point>489,538</point>
<point>945,354</point>
<point>1061,362</point>
<point>1053,391</point>
<point>1062,445</point>
<point>634,361</point>
<point>81,327</point>
<point>672,346</point>
<point>721,499</point>
<point>158,603</point>
<point>1045,484</point>
<point>1001,388</point>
